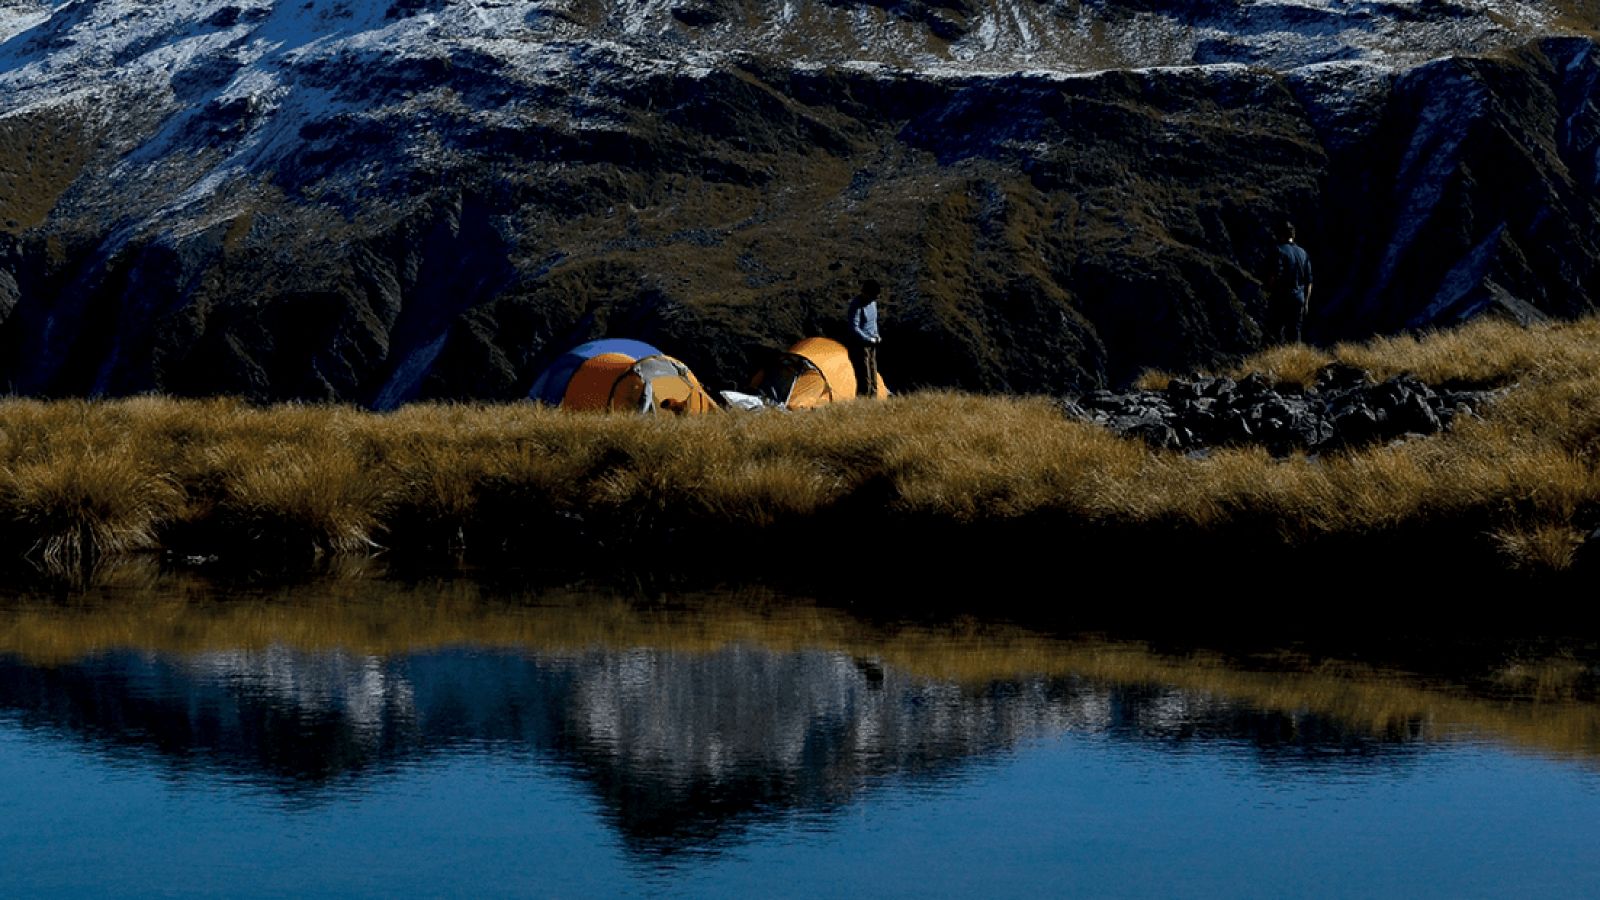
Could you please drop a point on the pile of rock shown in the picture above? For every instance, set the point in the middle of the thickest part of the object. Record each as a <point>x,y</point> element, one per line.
<point>1345,408</point>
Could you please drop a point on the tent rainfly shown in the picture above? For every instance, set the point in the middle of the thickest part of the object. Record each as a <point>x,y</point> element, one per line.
<point>620,375</point>
<point>659,384</point>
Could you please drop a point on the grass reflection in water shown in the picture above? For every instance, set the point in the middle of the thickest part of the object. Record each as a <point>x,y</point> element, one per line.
<point>1540,696</point>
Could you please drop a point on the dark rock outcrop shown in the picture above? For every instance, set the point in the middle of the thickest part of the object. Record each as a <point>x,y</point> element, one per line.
<point>1345,409</point>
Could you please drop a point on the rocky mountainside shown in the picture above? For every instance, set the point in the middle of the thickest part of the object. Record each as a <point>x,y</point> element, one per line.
<point>384,200</point>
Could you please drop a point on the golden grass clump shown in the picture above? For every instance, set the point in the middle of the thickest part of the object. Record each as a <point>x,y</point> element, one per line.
<point>322,494</point>
<point>1287,364</point>
<point>1153,380</point>
<point>1540,548</point>
<point>91,504</point>
<point>71,493</point>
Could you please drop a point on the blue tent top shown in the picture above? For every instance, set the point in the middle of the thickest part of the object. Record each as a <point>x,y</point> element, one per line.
<point>551,384</point>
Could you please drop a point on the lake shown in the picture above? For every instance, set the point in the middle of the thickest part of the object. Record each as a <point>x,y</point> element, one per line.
<point>359,735</point>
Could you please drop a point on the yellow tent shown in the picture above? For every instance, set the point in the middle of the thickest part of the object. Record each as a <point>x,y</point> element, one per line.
<point>813,372</point>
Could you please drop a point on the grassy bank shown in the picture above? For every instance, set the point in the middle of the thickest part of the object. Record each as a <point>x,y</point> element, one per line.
<point>1519,489</point>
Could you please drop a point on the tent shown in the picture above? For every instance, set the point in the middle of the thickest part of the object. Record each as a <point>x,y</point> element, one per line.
<point>813,372</point>
<point>551,386</point>
<point>616,374</point>
<point>659,384</point>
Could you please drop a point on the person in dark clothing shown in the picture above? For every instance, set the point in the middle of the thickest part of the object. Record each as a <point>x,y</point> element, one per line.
<point>1288,289</point>
<point>863,317</point>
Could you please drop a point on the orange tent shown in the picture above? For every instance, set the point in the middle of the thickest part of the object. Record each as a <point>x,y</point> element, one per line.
<point>621,375</point>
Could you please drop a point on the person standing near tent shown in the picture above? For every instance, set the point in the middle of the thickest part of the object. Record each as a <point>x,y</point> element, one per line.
<point>863,316</point>
<point>1288,288</point>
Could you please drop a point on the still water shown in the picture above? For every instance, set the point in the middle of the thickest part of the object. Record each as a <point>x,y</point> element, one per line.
<point>362,737</point>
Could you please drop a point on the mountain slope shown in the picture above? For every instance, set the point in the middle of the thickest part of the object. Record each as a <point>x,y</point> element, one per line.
<point>381,200</point>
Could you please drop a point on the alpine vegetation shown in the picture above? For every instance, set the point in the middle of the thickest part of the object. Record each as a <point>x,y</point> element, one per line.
<point>1516,476</point>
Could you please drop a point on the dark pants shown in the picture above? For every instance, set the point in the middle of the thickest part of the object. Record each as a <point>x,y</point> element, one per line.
<point>866,370</point>
<point>1286,318</point>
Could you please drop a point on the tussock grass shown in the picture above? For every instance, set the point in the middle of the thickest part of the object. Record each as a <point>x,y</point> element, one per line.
<point>71,499</point>
<point>1541,547</point>
<point>91,505</point>
<point>82,479</point>
<point>1483,352</point>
